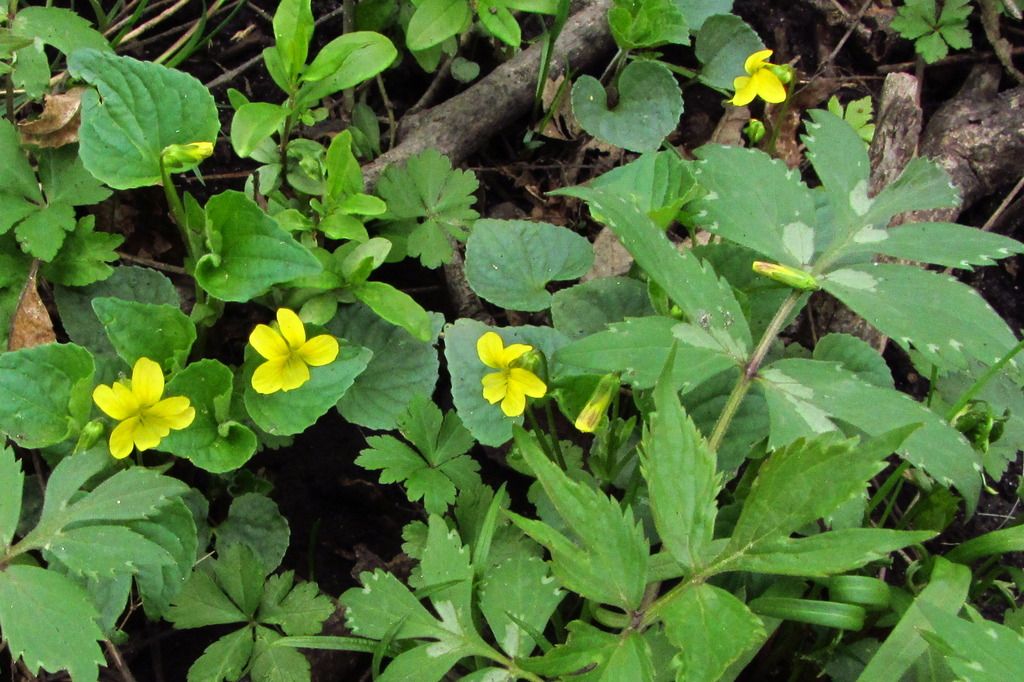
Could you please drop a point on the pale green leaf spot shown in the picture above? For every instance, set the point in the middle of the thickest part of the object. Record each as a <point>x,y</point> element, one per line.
<point>870,235</point>
<point>859,200</point>
<point>854,279</point>
<point>798,238</point>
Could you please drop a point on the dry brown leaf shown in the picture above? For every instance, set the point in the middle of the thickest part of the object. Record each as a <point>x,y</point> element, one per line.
<point>31,325</point>
<point>562,124</point>
<point>58,124</point>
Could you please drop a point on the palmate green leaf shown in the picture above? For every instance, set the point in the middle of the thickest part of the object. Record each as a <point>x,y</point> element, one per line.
<point>43,232</point>
<point>936,447</point>
<point>402,367</point>
<point>982,651</point>
<point>647,24</point>
<point>446,562</point>
<point>255,521</point>
<point>589,307</point>
<point>608,560</point>
<point>297,609</point>
<point>62,28</point>
<point>47,393</point>
<point>681,478</point>
<point>213,441</point>
<point>249,253</point>
<point>649,106</point>
<point>289,412</point>
<point>17,179</point>
<point>948,322</point>
<point>521,587</point>
<point>84,256</point>
<point>225,659</point>
<point>140,109</point>
<point>776,505</point>
<point>485,421</point>
<point>12,481</point>
<point>841,162</point>
<point>704,298</point>
<point>829,553</point>
<point>712,628</point>
<point>434,21</point>
<point>722,45</point>
<point>945,591</point>
<point>511,262</point>
<point>429,201</point>
<point>593,655</point>
<point>65,179</point>
<point>48,621</point>
<point>161,333</point>
<point>202,602</point>
<point>240,574</point>
<point>276,663</point>
<point>384,607</point>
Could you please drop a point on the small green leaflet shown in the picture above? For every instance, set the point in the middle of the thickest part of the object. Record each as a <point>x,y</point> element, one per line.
<point>437,467</point>
<point>933,32</point>
<point>255,521</point>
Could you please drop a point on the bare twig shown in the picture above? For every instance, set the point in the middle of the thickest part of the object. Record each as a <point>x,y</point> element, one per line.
<point>1003,205</point>
<point>118,660</point>
<point>149,262</point>
<point>160,18</point>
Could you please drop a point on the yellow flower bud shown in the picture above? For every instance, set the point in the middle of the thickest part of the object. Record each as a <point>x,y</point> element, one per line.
<point>178,158</point>
<point>791,277</point>
<point>593,412</point>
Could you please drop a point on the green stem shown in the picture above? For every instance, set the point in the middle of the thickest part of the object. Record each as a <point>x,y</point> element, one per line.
<point>553,433</point>
<point>739,391</point>
<point>542,439</point>
<point>976,387</point>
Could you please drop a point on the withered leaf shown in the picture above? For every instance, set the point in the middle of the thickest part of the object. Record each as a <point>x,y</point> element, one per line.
<point>30,325</point>
<point>58,124</point>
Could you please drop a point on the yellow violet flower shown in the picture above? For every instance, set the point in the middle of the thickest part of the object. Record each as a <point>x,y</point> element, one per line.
<point>509,384</point>
<point>289,355</point>
<point>760,81</point>
<point>145,418</point>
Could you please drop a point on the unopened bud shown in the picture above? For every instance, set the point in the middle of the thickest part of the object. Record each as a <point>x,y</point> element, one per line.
<point>593,412</point>
<point>90,434</point>
<point>754,131</point>
<point>178,158</point>
<point>533,361</point>
<point>791,277</point>
<point>784,72</point>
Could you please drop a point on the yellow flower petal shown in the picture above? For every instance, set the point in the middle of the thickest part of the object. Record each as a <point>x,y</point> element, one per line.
<point>148,433</point>
<point>177,412</point>
<point>267,377</point>
<point>514,403</point>
<point>122,438</point>
<point>768,86</point>
<point>756,61</point>
<point>491,349</point>
<point>745,91</point>
<point>268,342</point>
<point>291,327</point>
<point>147,381</point>
<point>526,382</point>
<point>116,404</point>
<point>495,386</point>
<point>513,353</point>
<point>319,350</point>
<point>294,373</point>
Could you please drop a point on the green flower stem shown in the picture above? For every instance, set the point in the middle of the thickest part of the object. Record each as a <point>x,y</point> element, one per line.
<point>980,383</point>
<point>542,438</point>
<point>739,391</point>
<point>553,432</point>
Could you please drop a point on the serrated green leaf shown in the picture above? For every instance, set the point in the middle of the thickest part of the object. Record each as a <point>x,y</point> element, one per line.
<point>289,412</point>
<point>48,621</point>
<point>84,256</point>
<point>432,201</point>
<point>829,553</point>
<point>692,285</point>
<point>104,551</point>
<point>948,321</point>
<point>201,603</point>
<point>922,185</point>
<point>487,422</point>
<point>649,106</point>
<point>658,183</point>
<point>840,160</point>
<point>276,663</point>
<point>401,368</point>
<point>240,573</point>
<point>722,45</point>
<point>519,587</point>
<point>65,179</point>
<point>434,21</point>
<point>855,355</point>
<point>589,307</point>
<point>255,521</point>
<point>140,109</point>
<point>648,24</point>
<point>17,179</point>
<point>301,611</point>
<point>608,561</point>
<point>446,561</point>
<point>936,447</point>
<point>12,480</point>
<point>946,591</point>
<point>173,529</point>
<point>424,663</point>
<point>161,333</point>
<point>681,478</point>
<point>225,659</point>
<point>712,628</point>
<point>383,606</point>
<point>593,655</point>
<point>212,441</point>
<point>46,393</point>
<point>511,262</point>
<point>983,651</point>
<point>43,231</point>
<point>947,244</point>
<point>62,28</point>
<point>239,267</point>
